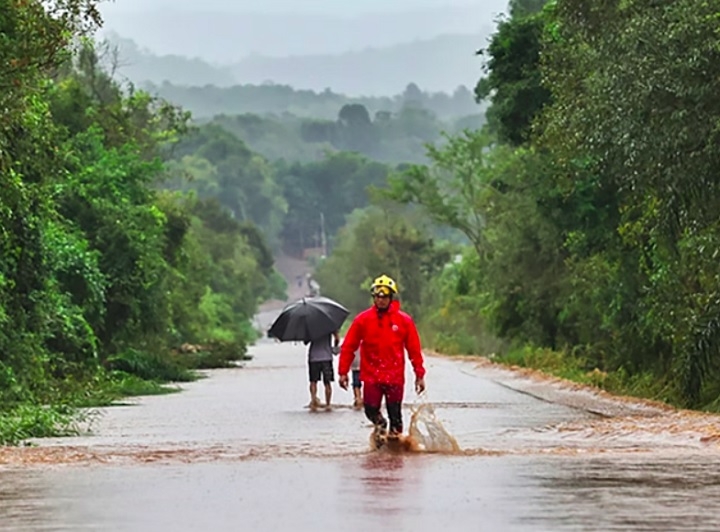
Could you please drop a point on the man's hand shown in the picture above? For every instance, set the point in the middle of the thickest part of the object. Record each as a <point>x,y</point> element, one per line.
<point>419,386</point>
<point>343,382</point>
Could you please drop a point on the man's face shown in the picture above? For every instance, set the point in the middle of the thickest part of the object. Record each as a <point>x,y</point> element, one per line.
<point>382,299</point>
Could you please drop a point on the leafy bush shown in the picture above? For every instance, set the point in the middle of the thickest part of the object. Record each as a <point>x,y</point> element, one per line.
<point>150,366</point>
<point>35,421</point>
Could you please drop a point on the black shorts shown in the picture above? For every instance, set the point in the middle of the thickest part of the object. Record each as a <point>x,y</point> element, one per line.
<point>324,368</point>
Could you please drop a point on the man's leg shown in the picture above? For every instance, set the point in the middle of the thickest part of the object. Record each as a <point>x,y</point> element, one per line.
<point>328,394</point>
<point>393,400</point>
<point>314,401</point>
<point>357,388</point>
<point>372,399</point>
<point>328,378</point>
<point>357,400</point>
<point>314,375</point>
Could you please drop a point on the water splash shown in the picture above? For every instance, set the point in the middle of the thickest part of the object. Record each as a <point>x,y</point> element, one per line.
<point>427,432</point>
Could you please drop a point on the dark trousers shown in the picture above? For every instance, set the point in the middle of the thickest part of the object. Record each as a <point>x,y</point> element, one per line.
<point>373,394</point>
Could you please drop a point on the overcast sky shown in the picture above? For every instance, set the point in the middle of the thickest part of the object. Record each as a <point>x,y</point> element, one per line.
<point>225,31</point>
<point>330,7</point>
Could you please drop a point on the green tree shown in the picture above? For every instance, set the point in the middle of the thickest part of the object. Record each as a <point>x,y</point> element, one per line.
<point>486,191</point>
<point>334,187</point>
<point>217,164</point>
<point>355,129</point>
<point>456,190</point>
<point>381,240</point>
<point>522,8</point>
<point>514,82</point>
<point>653,149</point>
<point>35,40</point>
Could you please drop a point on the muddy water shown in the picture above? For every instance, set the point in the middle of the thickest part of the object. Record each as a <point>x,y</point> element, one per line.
<point>239,451</point>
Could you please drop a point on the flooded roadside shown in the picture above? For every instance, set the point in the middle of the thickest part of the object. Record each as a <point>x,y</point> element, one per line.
<point>240,450</point>
<point>258,412</point>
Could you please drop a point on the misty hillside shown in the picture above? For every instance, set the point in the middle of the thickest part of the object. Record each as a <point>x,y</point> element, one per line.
<point>267,99</point>
<point>437,65</point>
<point>141,66</point>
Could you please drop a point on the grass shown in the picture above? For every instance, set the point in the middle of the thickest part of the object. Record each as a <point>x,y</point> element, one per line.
<point>38,421</point>
<point>577,369</point>
<point>69,403</point>
<point>24,421</point>
<point>116,385</point>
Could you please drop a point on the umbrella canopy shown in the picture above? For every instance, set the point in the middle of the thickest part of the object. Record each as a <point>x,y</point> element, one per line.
<point>308,319</point>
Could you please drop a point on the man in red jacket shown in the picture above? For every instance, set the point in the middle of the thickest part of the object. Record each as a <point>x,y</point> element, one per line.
<point>383,333</point>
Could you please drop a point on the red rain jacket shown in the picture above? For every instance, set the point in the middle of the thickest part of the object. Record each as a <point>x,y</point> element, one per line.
<point>383,339</point>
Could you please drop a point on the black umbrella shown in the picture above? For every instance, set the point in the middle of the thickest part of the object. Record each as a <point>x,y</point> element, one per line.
<point>308,319</point>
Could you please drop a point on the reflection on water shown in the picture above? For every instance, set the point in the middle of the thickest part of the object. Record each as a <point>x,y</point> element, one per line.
<point>23,501</point>
<point>674,492</point>
<point>384,484</point>
<point>382,491</point>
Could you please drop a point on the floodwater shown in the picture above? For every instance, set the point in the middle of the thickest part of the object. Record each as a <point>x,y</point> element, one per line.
<point>239,451</point>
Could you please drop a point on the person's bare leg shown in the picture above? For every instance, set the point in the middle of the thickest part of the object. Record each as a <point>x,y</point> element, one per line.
<point>358,397</point>
<point>314,401</point>
<point>328,395</point>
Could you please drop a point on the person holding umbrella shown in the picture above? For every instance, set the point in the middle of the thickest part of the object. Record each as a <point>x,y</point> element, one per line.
<point>383,333</point>
<point>315,321</point>
<point>320,364</point>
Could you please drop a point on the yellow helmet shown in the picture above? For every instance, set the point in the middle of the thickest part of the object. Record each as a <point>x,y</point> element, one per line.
<point>384,282</point>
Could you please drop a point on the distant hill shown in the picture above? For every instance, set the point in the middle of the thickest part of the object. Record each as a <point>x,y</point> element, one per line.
<point>440,64</point>
<point>142,66</point>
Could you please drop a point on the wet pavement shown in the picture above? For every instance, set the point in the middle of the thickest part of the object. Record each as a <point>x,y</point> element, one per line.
<point>239,451</point>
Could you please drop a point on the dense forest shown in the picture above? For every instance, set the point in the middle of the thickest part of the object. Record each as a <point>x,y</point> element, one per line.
<point>206,101</point>
<point>573,229</point>
<point>103,275</point>
<point>391,138</point>
<point>280,122</point>
<point>588,203</point>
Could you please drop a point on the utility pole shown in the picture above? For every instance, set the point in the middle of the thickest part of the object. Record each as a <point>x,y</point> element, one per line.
<point>323,239</point>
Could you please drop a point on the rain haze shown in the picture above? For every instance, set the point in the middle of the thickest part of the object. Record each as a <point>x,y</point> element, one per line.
<point>372,48</point>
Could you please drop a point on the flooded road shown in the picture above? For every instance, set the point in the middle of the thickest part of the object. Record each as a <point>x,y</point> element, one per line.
<point>239,451</point>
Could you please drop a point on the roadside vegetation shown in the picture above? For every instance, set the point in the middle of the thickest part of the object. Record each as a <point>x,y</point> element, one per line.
<point>104,275</point>
<point>588,204</point>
